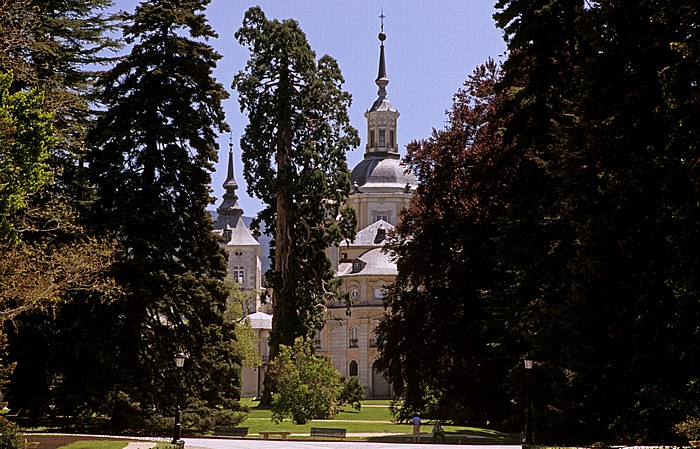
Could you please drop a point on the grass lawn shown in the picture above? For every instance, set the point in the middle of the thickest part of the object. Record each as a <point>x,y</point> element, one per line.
<point>374,417</point>
<point>96,444</point>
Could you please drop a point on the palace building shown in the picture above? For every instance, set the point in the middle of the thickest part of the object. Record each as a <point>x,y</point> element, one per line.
<point>244,255</point>
<point>381,187</point>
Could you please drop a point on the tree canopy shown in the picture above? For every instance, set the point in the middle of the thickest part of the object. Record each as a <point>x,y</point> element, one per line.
<point>308,386</point>
<point>294,160</point>
<point>570,221</point>
<point>438,342</point>
<point>151,153</point>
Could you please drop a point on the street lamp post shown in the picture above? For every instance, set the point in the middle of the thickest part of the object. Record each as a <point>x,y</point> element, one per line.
<point>177,428</point>
<point>528,415</point>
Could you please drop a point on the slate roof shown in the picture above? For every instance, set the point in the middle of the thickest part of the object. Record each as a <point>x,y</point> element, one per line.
<point>373,235</point>
<point>383,172</point>
<point>259,320</point>
<point>240,234</point>
<point>372,262</point>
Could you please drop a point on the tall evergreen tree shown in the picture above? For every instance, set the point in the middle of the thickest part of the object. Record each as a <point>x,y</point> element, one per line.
<point>294,157</point>
<point>581,224</point>
<point>151,155</point>
<point>612,309</point>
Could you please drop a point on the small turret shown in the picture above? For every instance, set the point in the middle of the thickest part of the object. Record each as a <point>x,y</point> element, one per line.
<point>229,211</point>
<point>381,117</point>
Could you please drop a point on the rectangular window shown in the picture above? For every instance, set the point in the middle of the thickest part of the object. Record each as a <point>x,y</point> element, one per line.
<point>384,217</point>
<point>353,343</point>
<point>371,139</point>
<point>382,138</point>
<point>391,138</point>
<point>238,274</point>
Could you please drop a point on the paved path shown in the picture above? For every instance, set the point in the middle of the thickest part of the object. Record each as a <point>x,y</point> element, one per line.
<point>209,443</point>
<point>140,445</point>
<point>242,443</point>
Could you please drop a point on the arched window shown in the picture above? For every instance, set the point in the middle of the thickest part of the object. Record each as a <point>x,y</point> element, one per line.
<point>353,369</point>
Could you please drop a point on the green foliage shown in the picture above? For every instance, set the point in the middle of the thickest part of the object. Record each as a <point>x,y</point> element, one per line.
<point>150,156</point>
<point>294,160</point>
<point>571,210</point>
<point>690,428</point>
<point>25,139</point>
<point>202,417</point>
<point>48,259</point>
<point>445,283</point>
<point>308,387</point>
<point>353,393</point>
<point>604,289</point>
<point>246,343</point>
<point>10,437</point>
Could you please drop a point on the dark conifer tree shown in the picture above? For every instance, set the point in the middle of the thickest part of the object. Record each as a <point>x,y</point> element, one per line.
<point>612,307</point>
<point>151,155</point>
<point>294,156</point>
<point>586,211</point>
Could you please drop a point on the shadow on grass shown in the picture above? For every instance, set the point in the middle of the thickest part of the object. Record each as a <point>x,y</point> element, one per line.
<point>460,437</point>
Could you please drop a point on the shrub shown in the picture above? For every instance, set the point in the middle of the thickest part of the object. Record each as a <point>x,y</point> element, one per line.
<point>202,417</point>
<point>690,428</point>
<point>308,387</point>
<point>10,438</point>
<point>353,392</point>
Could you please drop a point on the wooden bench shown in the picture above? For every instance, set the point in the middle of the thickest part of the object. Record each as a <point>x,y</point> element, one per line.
<point>327,432</point>
<point>266,434</point>
<point>231,431</point>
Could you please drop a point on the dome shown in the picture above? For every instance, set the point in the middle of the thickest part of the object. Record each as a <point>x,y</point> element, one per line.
<point>382,173</point>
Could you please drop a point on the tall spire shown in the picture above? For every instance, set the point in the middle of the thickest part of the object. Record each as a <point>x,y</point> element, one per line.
<point>382,80</point>
<point>230,183</point>
<point>229,206</point>
<point>382,117</point>
<point>381,103</point>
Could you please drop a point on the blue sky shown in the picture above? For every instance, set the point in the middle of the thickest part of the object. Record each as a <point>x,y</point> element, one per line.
<point>431,48</point>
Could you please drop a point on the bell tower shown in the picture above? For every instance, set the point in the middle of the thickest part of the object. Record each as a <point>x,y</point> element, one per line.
<point>382,117</point>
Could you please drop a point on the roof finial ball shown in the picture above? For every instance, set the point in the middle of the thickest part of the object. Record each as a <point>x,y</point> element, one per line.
<point>382,36</point>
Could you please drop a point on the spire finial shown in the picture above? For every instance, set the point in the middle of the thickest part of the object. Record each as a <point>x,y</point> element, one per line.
<point>230,183</point>
<point>382,80</point>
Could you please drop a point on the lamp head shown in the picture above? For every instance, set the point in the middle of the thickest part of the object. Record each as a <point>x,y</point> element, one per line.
<point>179,359</point>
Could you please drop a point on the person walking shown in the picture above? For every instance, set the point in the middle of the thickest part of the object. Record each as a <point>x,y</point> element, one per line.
<point>416,428</point>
